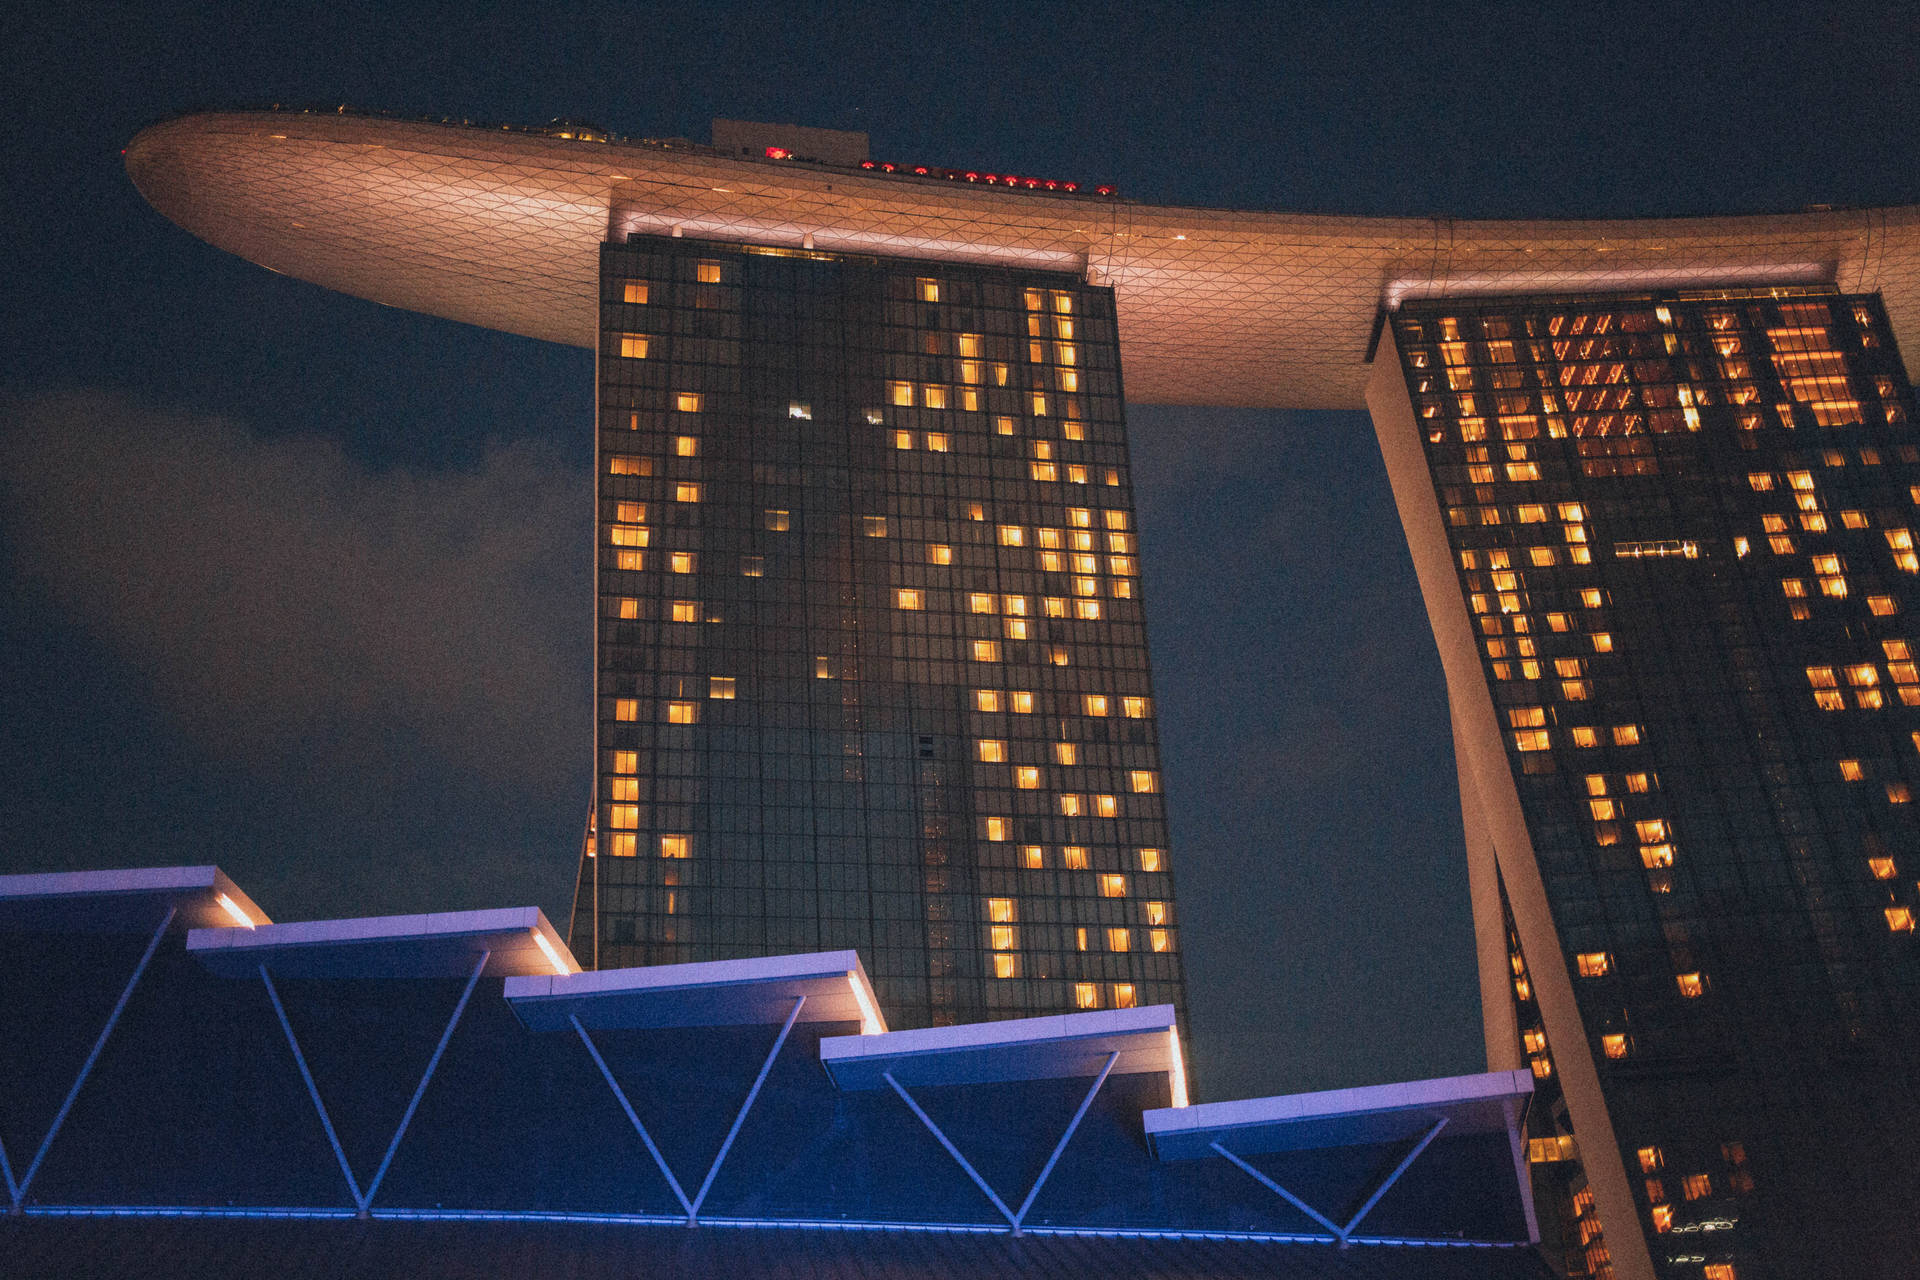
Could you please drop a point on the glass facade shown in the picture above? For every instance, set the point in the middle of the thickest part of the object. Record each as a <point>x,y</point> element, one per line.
<point>1682,526</point>
<point>872,667</point>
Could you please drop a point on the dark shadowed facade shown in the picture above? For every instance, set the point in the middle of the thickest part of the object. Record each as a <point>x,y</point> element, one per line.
<point>1667,543</point>
<point>872,658</point>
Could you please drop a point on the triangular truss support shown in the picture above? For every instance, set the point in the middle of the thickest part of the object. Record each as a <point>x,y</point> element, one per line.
<point>17,1191</point>
<point>363,1200</point>
<point>1014,1218</point>
<point>1341,1232</point>
<point>691,1206</point>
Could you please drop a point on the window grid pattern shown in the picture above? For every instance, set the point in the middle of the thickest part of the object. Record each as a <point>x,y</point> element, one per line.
<point>1682,527</point>
<point>872,663</point>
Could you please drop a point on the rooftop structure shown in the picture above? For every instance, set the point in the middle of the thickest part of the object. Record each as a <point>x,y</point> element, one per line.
<point>503,229</point>
<point>385,1092</point>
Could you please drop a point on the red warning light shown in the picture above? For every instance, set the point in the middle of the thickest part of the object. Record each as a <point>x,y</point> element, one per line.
<point>779,153</point>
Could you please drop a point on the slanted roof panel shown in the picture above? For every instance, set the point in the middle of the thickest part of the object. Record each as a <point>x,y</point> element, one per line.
<point>706,994</point>
<point>517,940</point>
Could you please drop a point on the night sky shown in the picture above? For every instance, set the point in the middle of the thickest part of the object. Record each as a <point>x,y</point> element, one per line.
<point>295,583</point>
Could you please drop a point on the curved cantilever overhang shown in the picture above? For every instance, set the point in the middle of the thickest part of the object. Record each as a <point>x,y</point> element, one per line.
<point>1217,307</point>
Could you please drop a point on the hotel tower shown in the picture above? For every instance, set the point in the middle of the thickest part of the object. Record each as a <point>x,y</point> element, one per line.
<point>871,669</point>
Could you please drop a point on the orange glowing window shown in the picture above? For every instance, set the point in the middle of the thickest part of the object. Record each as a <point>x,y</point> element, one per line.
<point>1150,860</point>
<point>1086,995</point>
<point>626,709</point>
<point>1614,1045</point>
<point>1113,885</point>
<point>1594,964</point>
<point>996,828</point>
<point>993,750</point>
<point>1074,857</point>
<point>1691,985</point>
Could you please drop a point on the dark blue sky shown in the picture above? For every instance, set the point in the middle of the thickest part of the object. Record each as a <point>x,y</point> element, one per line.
<point>294,583</point>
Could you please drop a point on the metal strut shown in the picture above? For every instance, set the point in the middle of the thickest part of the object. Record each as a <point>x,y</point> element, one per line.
<point>17,1192</point>
<point>1342,1232</point>
<point>627,1107</point>
<point>363,1201</point>
<point>1014,1219</point>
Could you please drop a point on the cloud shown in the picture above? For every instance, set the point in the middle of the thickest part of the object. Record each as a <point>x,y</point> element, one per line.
<point>276,593</point>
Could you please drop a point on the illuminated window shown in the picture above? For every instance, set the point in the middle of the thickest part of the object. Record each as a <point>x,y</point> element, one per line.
<point>1086,995</point>
<point>779,521</point>
<point>1113,885</point>
<point>1027,777</point>
<point>634,291</point>
<point>686,611</point>
<point>823,668</point>
<point>1663,1219</point>
<point>986,651</point>
<point>938,442</point>
<point>1022,703</point>
<point>1012,535</point>
<point>1033,857</point>
<point>1594,964</point>
<point>687,402</point>
<point>623,815</point>
<point>1614,1045</point>
<point>1696,1186</point>
<point>1001,911</point>
<point>993,750</point>
<point>1651,1159</point>
<point>874,526</point>
<point>1003,425</point>
<point>909,598</point>
<point>929,290</point>
<point>1626,735</point>
<point>1066,753</point>
<point>1106,806</point>
<point>996,828</point>
<point>1150,860</point>
<point>625,464</point>
<point>1016,628</point>
<point>633,346</point>
<point>1532,740</point>
<point>1900,919</point>
<point>626,709</point>
<point>1851,770</point>
<point>625,845</point>
<point>1094,704</point>
<point>686,446</point>
<point>1006,966</point>
<point>986,699</point>
<point>676,846</point>
<point>707,272</point>
<point>720,687</point>
<point>1074,857</point>
<point>682,713</point>
<point>753,566</point>
<point>1691,985</point>
<point>1656,856</point>
<point>1143,781</point>
<point>686,491</point>
<point>1882,868</point>
<point>1119,939</point>
<point>1719,1270</point>
<point>1072,806</point>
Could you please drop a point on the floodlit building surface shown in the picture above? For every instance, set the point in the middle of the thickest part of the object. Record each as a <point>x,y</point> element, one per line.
<point>1658,478</point>
<point>194,1091</point>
